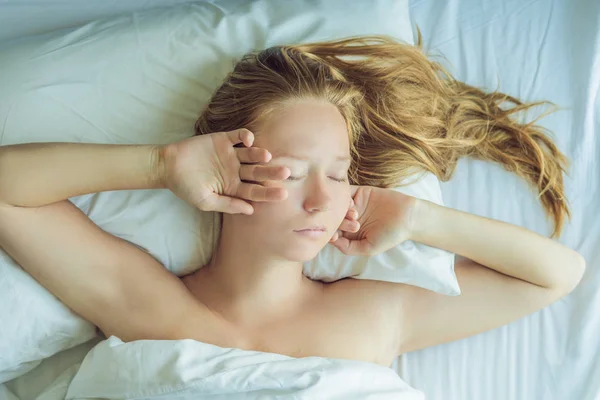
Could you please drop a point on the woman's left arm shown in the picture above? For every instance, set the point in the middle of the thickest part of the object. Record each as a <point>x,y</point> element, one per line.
<point>506,272</point>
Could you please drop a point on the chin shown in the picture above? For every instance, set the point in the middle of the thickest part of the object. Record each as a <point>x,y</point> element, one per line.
<point>302,255</point>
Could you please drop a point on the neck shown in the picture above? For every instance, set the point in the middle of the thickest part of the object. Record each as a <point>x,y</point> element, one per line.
<point>243,282</point>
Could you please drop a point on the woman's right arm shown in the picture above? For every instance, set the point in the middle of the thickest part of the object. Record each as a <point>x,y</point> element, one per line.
<point>106,280</point>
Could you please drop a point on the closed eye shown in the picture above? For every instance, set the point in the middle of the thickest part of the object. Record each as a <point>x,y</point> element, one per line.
<point>297,178</point>
<point>338,179</point>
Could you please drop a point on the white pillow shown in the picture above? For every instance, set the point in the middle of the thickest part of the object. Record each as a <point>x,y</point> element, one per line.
<point>143,78</point>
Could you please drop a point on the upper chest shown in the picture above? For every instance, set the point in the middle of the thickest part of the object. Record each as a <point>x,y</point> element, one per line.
<point>352,321</point>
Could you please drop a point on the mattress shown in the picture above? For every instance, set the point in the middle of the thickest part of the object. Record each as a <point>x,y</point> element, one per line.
<point>535,50</point>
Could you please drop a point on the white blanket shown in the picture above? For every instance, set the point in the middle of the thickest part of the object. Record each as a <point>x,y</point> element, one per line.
<point>187,369</point>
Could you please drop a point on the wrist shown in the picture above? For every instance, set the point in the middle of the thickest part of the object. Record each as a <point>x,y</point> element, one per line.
<point>158,169</point>
<point>422,218</point>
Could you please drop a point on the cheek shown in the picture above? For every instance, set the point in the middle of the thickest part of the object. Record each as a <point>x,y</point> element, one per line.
<point>270,220</point>
<point>340,204</point>
<point>271,211</point>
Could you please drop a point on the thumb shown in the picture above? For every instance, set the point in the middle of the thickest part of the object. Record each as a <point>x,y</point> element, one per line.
<point>228,205</point>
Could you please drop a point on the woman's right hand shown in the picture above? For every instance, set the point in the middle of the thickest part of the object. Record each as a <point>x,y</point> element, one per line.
<point>213,174</point>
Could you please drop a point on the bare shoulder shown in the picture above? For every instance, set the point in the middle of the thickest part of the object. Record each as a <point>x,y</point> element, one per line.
<point>365,292</point>
<point>372,307</point>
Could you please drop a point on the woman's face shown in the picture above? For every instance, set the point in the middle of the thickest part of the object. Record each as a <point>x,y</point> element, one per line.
<point>311,139</point>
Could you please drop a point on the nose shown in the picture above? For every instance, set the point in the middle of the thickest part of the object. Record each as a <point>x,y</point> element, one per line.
<point>317,198</point>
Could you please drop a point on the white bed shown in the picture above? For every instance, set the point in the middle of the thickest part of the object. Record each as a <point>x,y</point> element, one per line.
<point>535,50</point>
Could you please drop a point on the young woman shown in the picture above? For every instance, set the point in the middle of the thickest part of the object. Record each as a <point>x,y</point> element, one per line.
<point>325,128</point>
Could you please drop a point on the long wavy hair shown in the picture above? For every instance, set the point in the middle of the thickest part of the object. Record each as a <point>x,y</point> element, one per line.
<point>404,113</point>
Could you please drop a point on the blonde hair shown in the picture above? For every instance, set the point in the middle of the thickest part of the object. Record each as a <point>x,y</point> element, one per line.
<point>404,113</point>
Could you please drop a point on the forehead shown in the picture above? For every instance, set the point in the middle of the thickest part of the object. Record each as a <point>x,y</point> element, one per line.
<point>307,128</point>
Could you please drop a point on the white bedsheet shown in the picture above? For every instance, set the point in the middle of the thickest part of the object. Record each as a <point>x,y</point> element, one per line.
<point>536,50</point>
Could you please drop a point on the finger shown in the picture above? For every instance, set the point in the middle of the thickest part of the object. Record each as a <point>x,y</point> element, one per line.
<point>240,136</point>
<point>335,236</point>
<point>352,214</point>
<point>350,226</point>
<point>229,205</point>
<point>254,192</point>
<point>260,173</point>
<point>253,155</point>
<point>352,247</point>
<point>353,189</point>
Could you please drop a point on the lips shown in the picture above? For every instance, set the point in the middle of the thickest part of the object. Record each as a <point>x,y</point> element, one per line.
<point>313,232</point>
<point>316,228</point>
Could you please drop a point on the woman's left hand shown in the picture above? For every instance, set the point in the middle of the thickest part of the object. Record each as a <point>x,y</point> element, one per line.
<point>384,219</point>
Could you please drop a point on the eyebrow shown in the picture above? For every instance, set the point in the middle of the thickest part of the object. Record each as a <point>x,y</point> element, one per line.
<point>338,159</point>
